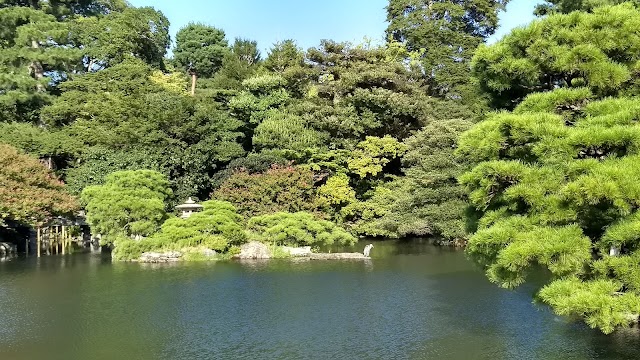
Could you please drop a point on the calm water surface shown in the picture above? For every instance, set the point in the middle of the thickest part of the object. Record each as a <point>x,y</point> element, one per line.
<point>411,301</point>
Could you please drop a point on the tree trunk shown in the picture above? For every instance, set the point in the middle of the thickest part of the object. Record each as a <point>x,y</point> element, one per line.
<point>36,69</point>
<point>193,84</point>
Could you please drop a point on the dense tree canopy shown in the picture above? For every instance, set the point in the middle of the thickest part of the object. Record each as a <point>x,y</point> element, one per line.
<point>129,203</point>
<point>127,119</point>
<point>30,193</point>
<point>595,50</point>
<point>45,43</point>
<point>277,189</point>
<point>556,186</point>
<point>447,32</point>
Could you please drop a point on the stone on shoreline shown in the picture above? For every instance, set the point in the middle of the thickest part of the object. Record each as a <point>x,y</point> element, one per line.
<point>254,250</point>
<point>302,251</point>
<point>157,257</point>
<point>209,253</point>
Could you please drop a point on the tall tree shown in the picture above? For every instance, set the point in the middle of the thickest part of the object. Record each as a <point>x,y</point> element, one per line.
<point>141,33</point>
<point>284,54</point>
<point>33,46</point>
<point>364,91</point>
<point>448,31</point>
<point>427,200</point>
<point>200,50</point>
<point>288,60</point>
<point>555,187</point>
<point>246,50</point>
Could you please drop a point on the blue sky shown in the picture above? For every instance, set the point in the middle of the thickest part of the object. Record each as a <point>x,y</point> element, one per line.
<point>306,21</point>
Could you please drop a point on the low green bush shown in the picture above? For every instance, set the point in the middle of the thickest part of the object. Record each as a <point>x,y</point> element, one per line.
<point>297,229</point>
<point>218,227</point>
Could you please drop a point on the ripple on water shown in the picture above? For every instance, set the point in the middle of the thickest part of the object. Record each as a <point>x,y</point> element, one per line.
<point>416,303</point>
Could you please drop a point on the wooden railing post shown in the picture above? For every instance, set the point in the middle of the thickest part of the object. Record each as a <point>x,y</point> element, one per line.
<point>39,241</point>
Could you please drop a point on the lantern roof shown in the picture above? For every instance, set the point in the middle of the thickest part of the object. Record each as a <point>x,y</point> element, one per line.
<point>189,205</point>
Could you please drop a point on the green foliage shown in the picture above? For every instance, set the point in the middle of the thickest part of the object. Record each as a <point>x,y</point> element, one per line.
<point>65,8</point>
<point>216,227</point>
<point>428,200</point>
<point>337,192</point>
<point>98,162</point>
<point>262,95</point>
<point>253,163</point>
<point>130,118</point>
<point>373,154</point>
<point>298,229</point>
<point>126,249</point>
<point>556,187</point>
<point>141,33</point>
<point>599,302</point>
<point>200,49</point>
<point>288,60</point>
<point>39,141</point>
<point>368,217</point>
<point>285,131</point>
<point>365,90</point>
<point>593,50</point>
<point>238,65</point>
<point>284,55</point>
<point>567,6</point>
<point>130,203</point>
<point>278,189</point>
<point>33,43</point>
<point>29,193</point>
<point>448,32</point>
<point>277,252</point>
<point>246,51</point>
<point>42,46</point>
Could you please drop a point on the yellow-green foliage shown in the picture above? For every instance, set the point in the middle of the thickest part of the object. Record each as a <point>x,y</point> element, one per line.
<point>373,154</point>
<point>298,229</point>
<point>557,183</point>
<point>277,252</point>
<point>174,81</point>
<point>337,191</point>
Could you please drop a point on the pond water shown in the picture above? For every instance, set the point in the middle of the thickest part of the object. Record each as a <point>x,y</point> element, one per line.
<point>411,301</point>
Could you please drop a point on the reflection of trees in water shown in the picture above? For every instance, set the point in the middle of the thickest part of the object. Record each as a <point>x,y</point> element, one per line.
<point>387,248</point>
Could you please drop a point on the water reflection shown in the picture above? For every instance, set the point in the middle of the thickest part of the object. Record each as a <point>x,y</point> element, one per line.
<point>410,301</point>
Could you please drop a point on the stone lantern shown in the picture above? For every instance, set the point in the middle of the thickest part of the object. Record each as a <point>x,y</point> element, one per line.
<point>188,208</point>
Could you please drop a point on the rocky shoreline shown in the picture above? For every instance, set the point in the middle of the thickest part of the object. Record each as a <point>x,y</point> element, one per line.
<point>253,250</point>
